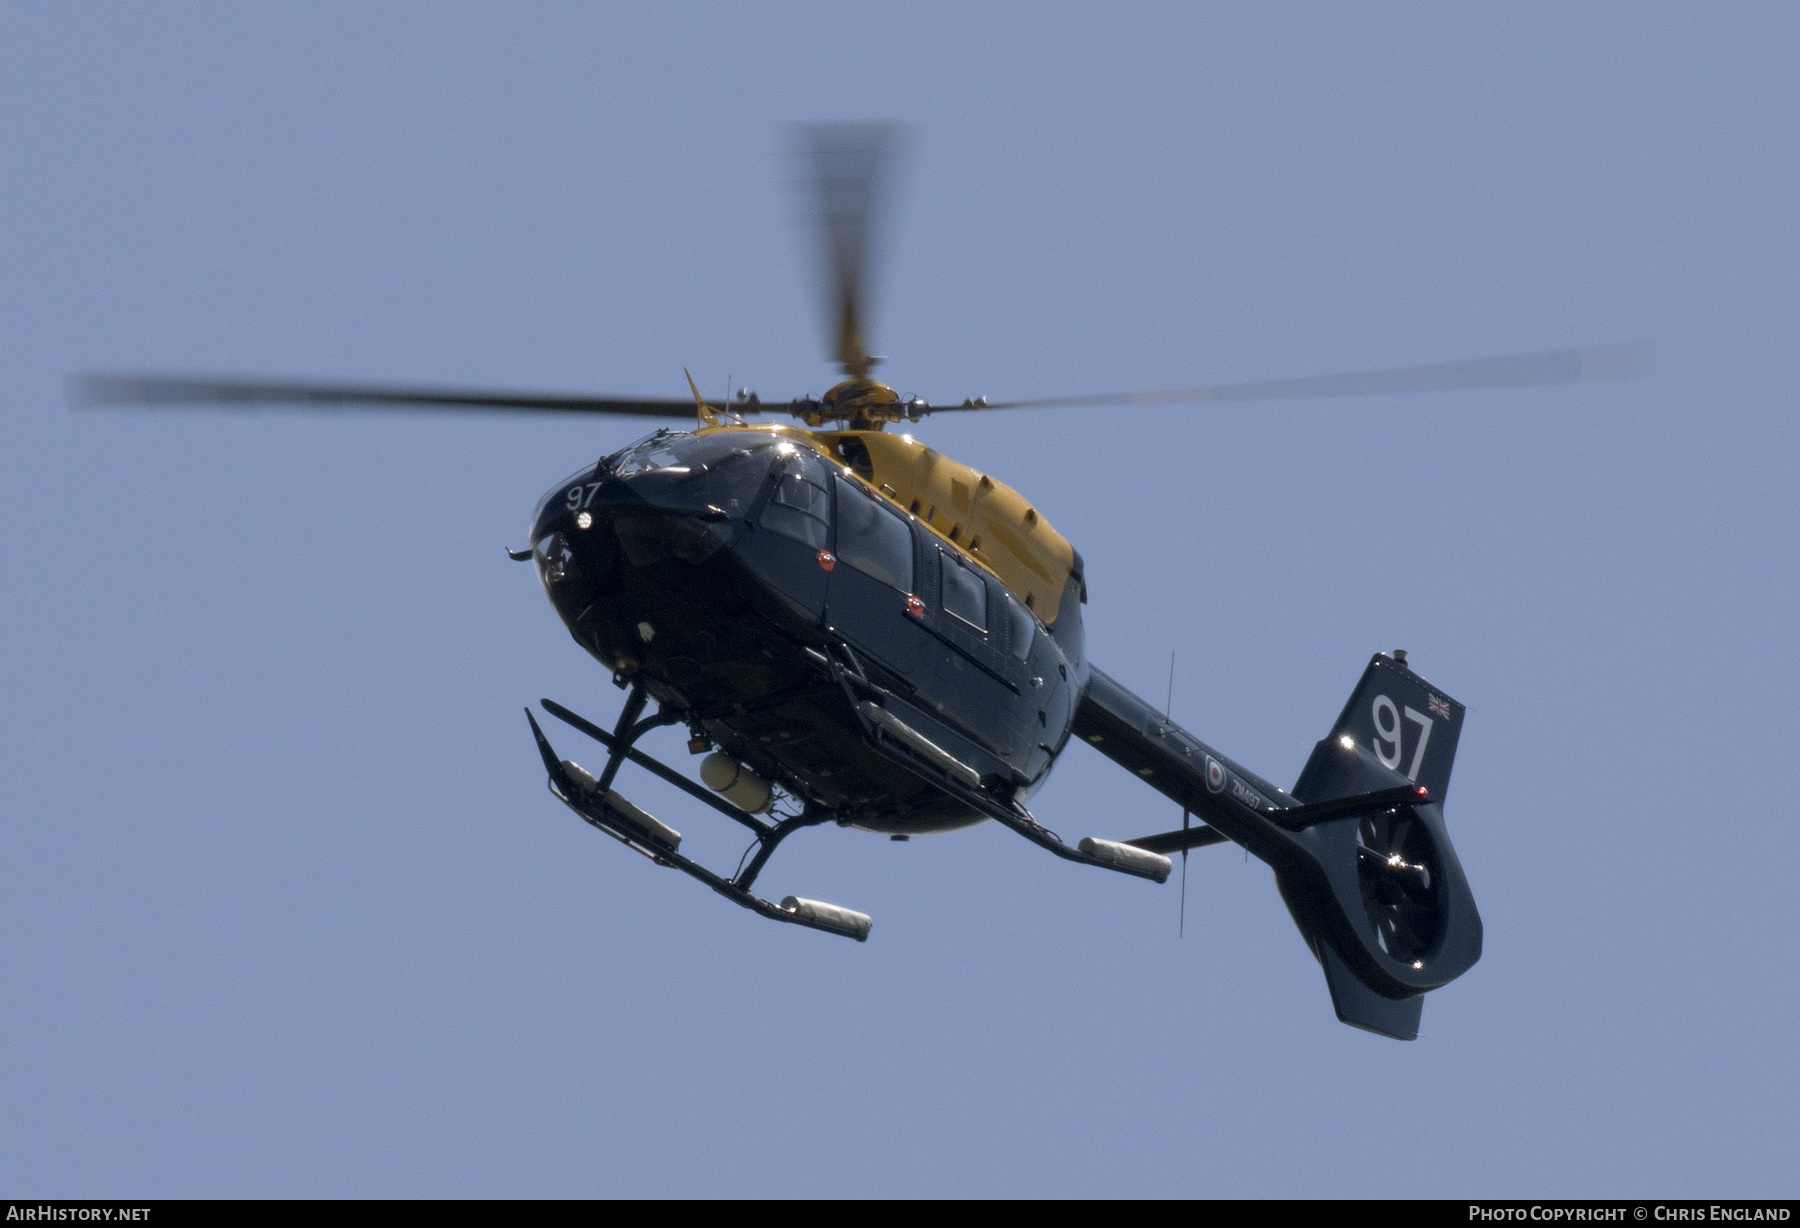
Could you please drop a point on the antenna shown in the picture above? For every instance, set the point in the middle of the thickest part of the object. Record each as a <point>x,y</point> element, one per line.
<point>703,414</point>
<point>1169,702</point>
<point>1169,719</point>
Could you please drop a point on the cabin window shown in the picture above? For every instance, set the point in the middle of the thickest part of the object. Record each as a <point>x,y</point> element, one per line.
<point>872,539</point>
<point>1024,627</point>
<point>799,508</point>
<point>963,592</point>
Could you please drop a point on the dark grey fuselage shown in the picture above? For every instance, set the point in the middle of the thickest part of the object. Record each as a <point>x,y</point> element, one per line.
<point>723,570</point>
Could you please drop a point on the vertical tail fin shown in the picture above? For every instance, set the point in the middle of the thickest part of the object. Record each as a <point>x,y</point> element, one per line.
<point>1392,916</point>
<point>1409,725</point>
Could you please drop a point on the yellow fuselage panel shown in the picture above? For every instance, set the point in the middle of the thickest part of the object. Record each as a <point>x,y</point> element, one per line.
<point>986,520</point>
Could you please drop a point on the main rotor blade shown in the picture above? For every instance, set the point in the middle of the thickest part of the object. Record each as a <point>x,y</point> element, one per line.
<point>850,163</point>
<point>111,388</point>
<point>1595,362</point>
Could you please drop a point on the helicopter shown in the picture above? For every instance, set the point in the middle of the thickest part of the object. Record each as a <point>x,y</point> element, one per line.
<point>855,629</point>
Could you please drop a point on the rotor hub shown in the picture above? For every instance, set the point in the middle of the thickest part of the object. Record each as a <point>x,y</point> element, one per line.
<point>865,404</point>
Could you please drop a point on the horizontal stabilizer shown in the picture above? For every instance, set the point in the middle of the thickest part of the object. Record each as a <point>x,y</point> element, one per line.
<point>1297,818</point>
<point>1180,841</point>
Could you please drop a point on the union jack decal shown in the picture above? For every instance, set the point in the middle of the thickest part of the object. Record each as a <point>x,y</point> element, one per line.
<point>1439,706</point>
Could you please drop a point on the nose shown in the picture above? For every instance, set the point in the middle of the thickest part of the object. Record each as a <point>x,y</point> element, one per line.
<point>655,535</point>
<point>649,526</point>
<point>553,556</point>
<point>667,498</point>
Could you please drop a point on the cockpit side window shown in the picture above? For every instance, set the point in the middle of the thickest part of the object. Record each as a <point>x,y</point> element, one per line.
<point>872,539</point>
<point>963,593</point>
<point>800,506</point>
<point>1024,627</point>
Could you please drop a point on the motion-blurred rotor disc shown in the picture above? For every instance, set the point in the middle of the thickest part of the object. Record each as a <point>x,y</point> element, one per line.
<point>851,165</point>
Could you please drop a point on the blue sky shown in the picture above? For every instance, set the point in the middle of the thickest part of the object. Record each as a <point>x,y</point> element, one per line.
<point>287,910</point>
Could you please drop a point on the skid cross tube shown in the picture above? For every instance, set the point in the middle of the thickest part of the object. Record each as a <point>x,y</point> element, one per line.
<point>656,768</point>
<point>765,846</point>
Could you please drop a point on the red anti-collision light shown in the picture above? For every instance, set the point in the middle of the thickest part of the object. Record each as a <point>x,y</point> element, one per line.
<point>1423,791</point>
<point>827,560</point>
<point>915,606</point>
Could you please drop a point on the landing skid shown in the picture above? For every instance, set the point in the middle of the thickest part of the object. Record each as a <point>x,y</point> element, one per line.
<point>885,725</point>
<point>902,744</point>
<point>594,800</point>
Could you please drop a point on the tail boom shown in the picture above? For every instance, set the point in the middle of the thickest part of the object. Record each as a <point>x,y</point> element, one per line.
<point>1359,848</point>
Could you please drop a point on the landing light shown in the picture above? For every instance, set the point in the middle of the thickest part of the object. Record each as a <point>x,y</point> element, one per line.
<point>1347,742</point>
<point>584,520</point>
